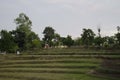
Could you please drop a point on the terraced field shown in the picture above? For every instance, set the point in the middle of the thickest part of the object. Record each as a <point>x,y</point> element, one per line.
<point>61,64</point>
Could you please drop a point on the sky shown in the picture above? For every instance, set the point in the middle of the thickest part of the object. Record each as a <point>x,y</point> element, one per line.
<point>67,17</point>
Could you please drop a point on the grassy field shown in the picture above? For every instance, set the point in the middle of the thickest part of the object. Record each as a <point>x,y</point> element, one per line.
<point>61,64</point>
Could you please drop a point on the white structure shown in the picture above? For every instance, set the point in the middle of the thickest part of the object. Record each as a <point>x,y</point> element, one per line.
<point>18,52</point>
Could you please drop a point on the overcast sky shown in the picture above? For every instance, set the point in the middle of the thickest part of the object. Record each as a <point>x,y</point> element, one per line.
<point>65,16</point>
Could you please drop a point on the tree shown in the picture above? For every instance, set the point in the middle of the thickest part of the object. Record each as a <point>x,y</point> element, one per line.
<point>19,38</point>
<point>56,39</point>
<point>22,31</point>
<point>87,37</point>
<point>111,40</point>
<point>118,29</point>
<point>23,34</point>
<point>118,38</point>
<point>99,30</point>
<point>7,42</point>
<point>77,41</point>
<point>33,40</point>
<point>118,35</point>
<point>48,35</point>
<point>23,23</point>
<point>63,40</point>
<point>98,41</point>
<point>36,43</point>
<point>67,41</point>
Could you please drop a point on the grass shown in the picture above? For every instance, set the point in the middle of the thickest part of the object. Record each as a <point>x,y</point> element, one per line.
<point>52,76</point>
<point>61,64</point>
<point>53,65</point>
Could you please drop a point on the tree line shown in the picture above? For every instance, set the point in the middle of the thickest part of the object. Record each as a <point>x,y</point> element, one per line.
<point>23,38</point>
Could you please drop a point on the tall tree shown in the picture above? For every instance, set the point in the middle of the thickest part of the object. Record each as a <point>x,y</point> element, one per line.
<point>48,35</point>
<point>22,31</point>
<point>23,34</point>
<point>98,40</point>
<point>87,37</point>
<point>23,23</point>
<point>19,38</point>
<point>99,30</point>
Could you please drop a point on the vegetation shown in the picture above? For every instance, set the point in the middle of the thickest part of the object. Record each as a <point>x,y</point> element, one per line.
<point>67,41</point>
<point>23,38</point>
<point>89,57</point>
<point>87,37</point>
<point>61,64</point>
<point>7,42</point>
<point>48,35</point>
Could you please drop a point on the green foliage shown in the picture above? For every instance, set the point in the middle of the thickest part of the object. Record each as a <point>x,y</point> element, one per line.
<point>98,41</point>
<point>36,43</point>
<point>87,37</point>
<point>67,41</point>
<point>23,23</point>
<point>77,42</point>
<point>118,38</point>
<point>22,31</point>
<point>33,40</point>
<point>56,39</point>
<point>48,35</point>
<point>19,38</point>
<point>109,42</point>
<point>7,42</point>
<point>24,37</point>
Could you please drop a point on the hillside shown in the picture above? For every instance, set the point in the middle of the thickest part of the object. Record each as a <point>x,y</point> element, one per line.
<point>61,64</point>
